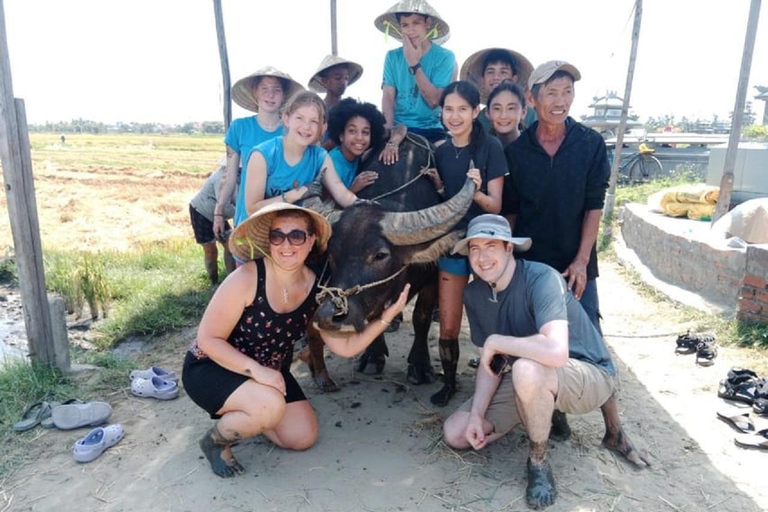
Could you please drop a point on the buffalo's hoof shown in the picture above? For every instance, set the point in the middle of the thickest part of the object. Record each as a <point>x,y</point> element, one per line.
<point>442,397</point>
<point>420,374</point>
<point>371,364</point>
<point>324,382</point>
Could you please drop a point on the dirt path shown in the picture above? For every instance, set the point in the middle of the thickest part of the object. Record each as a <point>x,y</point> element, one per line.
<point>379,447</point>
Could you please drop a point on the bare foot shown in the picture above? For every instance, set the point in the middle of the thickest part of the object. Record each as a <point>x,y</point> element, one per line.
<point>223,463</point>
<point>540,491</point>
<point>620,443</point>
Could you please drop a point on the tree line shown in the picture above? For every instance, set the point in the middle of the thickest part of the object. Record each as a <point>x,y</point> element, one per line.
<point>89,126</point>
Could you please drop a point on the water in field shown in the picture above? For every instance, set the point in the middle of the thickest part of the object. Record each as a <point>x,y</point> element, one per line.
<point>13,335</point>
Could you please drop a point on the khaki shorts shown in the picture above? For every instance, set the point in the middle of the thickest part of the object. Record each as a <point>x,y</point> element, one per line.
<point>581,388</point>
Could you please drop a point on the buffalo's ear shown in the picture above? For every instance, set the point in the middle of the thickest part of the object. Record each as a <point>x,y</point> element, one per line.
<point>429,252</point>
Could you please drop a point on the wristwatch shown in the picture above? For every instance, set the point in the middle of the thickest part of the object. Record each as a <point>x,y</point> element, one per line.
<point>413,69</point>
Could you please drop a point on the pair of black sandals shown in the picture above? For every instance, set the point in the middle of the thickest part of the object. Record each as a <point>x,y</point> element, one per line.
<point>702,344</point>
<point>744,385</point>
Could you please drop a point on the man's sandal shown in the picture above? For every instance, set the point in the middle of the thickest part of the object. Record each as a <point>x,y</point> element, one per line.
<point>689,343</point>
<point>706,352</point>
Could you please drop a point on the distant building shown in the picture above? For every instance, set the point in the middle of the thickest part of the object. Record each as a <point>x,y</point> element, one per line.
<point>763,96</point>
<point>606,115</point>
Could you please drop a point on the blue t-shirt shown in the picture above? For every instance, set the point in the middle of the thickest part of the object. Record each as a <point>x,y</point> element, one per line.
<point>242,136</point>
<point>282,177</point>
<point>411,109</point>
<point>344,168</point>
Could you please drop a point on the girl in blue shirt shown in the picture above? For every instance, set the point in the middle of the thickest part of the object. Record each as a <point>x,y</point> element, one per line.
<point>354,127</point>
<point>263,92</point>
<point>280,169</point>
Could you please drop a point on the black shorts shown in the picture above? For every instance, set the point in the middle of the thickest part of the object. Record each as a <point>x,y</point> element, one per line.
<point>209,385</point>
<point>203,228</point>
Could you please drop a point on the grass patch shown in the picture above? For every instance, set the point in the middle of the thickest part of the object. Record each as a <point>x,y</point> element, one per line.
<point>639,193</point>
<point>23,383</point>
<point>154,289</point>
<point>9,274</point>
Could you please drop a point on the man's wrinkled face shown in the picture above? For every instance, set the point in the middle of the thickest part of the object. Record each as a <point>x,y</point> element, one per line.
<point>553,100</point>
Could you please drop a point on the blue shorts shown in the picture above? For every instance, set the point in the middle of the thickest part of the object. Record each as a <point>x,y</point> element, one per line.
<point>458,266</point>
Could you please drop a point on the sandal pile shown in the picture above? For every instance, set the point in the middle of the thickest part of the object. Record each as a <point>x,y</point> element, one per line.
<point>703,344</point>
<point>744,386</point>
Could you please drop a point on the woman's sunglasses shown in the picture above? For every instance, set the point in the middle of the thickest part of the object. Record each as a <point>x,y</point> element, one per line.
<point>295,237</point>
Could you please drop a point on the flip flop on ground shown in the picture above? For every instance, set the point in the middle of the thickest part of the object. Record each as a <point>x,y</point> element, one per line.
<point>67,417</point>
<point>97,441</point>
<point>738,419</point>
<point>758,440</point>
<point>32,416</point>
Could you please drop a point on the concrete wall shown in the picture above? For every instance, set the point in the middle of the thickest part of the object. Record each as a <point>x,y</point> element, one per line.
<point>675,251</point>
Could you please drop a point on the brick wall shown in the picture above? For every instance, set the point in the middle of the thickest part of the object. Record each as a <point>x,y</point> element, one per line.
<point>753,295</point>
<point>676,256</point>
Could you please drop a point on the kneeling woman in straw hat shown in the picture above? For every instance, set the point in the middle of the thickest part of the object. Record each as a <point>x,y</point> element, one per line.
<point>238,369</point>
<point>281,168</point>
<point>263,92</point>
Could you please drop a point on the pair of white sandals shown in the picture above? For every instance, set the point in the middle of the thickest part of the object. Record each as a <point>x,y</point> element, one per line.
<point>154,382</point>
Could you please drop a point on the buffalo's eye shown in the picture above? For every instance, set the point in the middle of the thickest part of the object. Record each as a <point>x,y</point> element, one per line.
<point>381,255</point>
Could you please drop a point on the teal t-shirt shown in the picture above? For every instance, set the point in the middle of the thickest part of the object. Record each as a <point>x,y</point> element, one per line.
<point>282,177</point>
<point>242,136</point>
<point>411,109</point>
<point>344,168</point>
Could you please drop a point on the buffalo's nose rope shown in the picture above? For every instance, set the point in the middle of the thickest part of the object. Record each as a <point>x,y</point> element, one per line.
<point>339,296</point>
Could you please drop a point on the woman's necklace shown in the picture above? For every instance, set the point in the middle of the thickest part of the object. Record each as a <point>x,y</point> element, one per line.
<point>285,295</point>
<point>459,151</point>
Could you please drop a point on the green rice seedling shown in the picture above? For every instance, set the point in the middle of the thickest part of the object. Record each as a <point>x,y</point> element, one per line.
<point>61,277</point>
<point>94,285</point>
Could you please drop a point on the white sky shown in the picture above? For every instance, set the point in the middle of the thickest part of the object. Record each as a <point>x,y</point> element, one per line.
<point>157,60</point>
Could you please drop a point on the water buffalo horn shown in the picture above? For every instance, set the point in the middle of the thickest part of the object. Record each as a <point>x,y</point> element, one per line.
<point>409,228</point>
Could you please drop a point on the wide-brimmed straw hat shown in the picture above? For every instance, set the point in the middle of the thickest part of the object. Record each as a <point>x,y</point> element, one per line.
<point>243,93</point>
<point>472,69</point>
<point>250,240</point>
<point>355,71</point>
<point>543,71</point>
<point>387,22</point>
<point>490,226</point>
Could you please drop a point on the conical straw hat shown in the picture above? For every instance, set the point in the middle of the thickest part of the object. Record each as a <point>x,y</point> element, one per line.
<point>355,71</point>
<point>387,22</point>
<point>242,91</point>
<point>472,69</point>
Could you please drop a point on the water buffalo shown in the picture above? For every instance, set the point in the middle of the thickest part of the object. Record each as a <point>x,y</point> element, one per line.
<point>376,249</point>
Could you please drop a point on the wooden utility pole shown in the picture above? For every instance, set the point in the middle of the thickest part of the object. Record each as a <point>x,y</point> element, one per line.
<point>334,45</point>
<point>226,81</point>
<point>726,182</point>
<point>610,199</point>
<point>22,210</point>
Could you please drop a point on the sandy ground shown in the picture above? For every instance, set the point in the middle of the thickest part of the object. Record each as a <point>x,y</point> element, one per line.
<point>379,446</point>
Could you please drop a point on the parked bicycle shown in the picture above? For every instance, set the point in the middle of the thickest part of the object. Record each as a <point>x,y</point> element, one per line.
<point>641,167</point>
